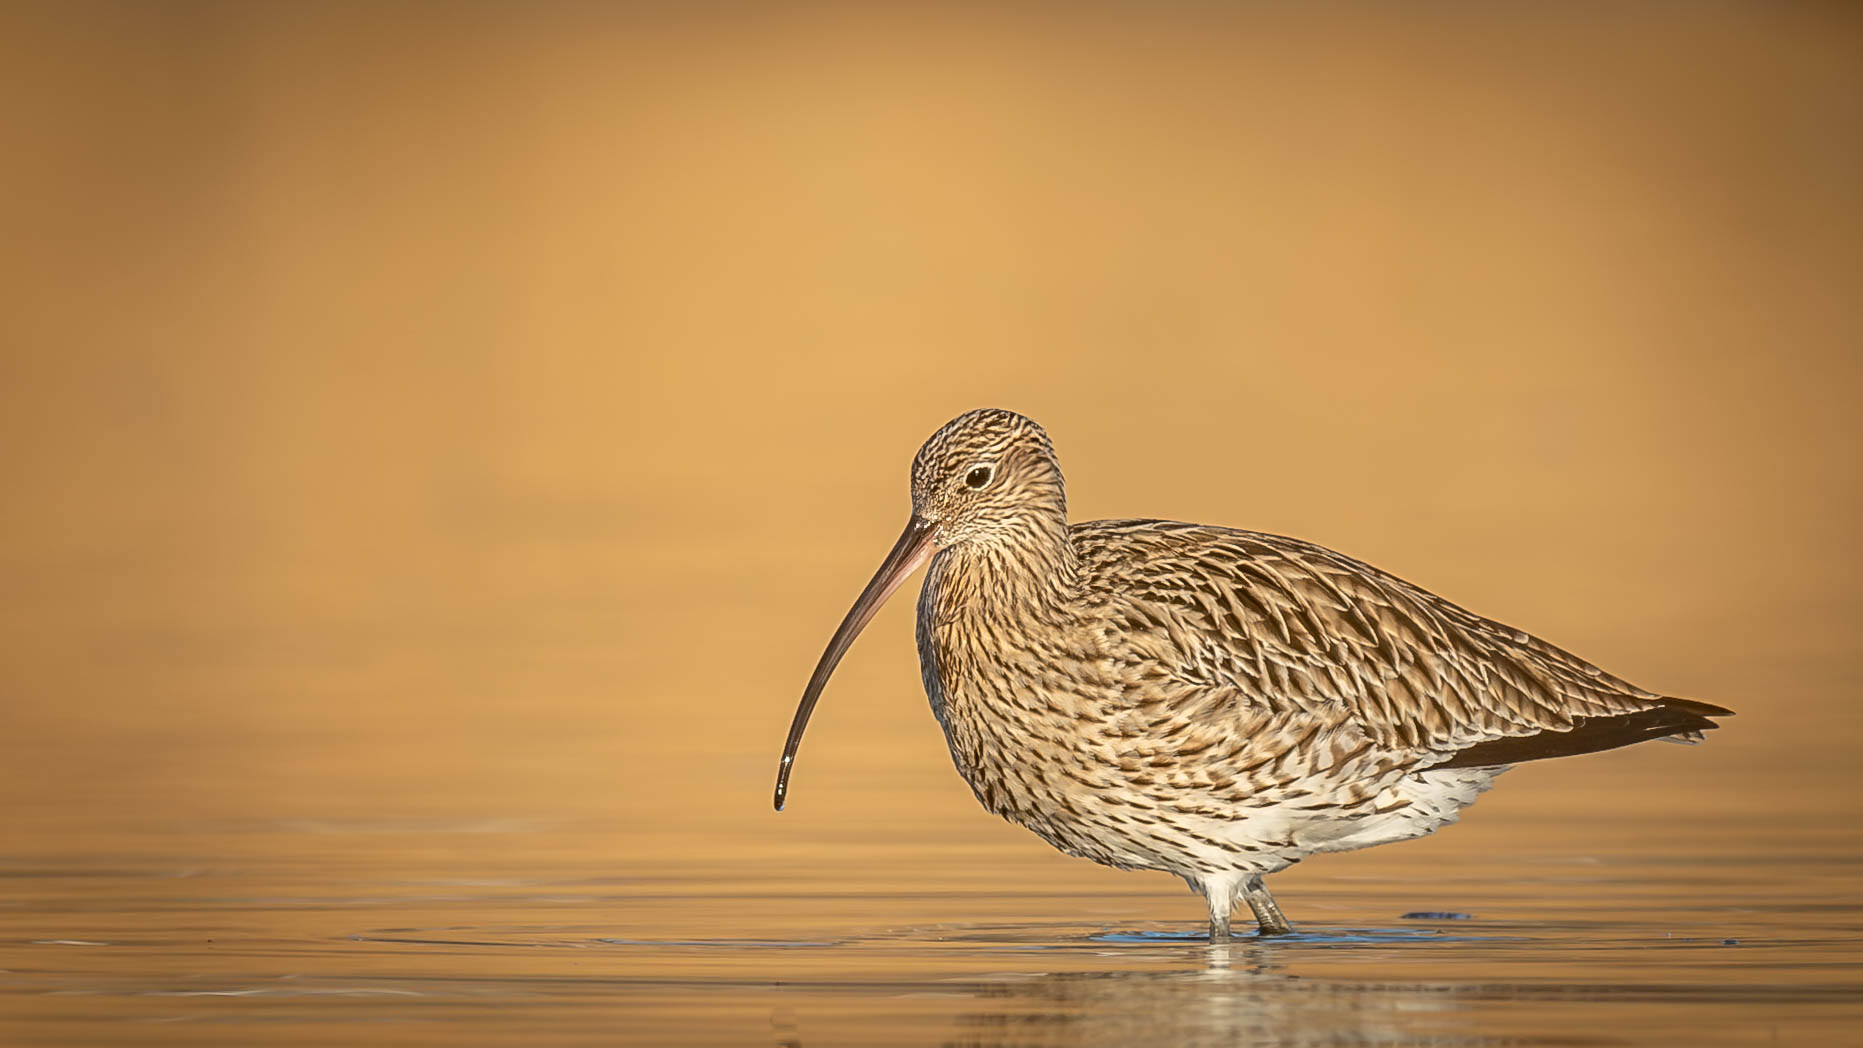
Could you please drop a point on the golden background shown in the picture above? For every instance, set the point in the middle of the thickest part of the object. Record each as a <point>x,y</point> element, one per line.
<point>411,410</point>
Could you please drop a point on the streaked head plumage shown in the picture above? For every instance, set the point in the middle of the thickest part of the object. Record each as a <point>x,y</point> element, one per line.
<point>984,473</point>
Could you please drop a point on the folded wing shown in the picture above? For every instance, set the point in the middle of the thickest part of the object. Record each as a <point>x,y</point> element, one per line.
<point>1287,627</point>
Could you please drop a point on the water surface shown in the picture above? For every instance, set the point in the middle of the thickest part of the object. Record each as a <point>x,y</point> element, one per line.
<point>490,930</point>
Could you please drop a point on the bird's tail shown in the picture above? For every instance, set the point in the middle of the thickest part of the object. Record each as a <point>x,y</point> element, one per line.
<point>1672,720</point>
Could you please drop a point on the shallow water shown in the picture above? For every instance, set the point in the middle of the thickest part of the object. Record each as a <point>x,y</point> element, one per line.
<point>500,930</point>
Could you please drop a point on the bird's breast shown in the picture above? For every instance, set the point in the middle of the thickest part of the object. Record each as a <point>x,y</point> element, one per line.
<point>1007,688</point>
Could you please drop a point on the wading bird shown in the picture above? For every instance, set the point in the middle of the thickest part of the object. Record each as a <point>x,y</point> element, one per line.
<point>1213,703</point>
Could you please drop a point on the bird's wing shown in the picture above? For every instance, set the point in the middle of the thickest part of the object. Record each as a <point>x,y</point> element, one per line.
<point>1286,626</point>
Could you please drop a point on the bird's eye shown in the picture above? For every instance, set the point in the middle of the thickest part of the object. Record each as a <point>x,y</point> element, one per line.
<point>978,477</point>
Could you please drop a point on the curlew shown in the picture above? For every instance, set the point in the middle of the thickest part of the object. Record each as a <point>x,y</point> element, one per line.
<point>1213,703</point>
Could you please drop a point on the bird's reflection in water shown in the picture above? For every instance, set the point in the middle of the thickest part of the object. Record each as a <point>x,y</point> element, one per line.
<point>1233,995</point>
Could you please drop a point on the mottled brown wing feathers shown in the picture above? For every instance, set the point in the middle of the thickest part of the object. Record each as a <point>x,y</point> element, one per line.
<point>1283,624</point>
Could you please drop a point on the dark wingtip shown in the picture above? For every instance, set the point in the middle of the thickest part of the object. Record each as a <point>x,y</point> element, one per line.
<point>1700,709</point>
<point>1593,734</point>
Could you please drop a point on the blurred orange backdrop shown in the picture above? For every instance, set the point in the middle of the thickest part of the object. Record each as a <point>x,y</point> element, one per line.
<point>415,408</point>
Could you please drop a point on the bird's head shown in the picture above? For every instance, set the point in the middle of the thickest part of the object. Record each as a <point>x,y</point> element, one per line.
<point>984,474</point>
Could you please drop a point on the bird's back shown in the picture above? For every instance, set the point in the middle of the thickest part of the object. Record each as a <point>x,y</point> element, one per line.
<point>1282,626</point>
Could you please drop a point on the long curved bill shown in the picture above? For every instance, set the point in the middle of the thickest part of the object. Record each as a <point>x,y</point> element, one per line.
<point>912,549</point>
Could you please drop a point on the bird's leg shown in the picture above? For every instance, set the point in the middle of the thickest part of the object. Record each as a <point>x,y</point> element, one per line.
<point>1267,914</point>
<point>1222,899</point>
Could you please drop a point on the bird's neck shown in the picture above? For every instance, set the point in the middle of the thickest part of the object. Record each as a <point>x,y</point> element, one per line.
<point>1024,575</point>
<point>995,620</point>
